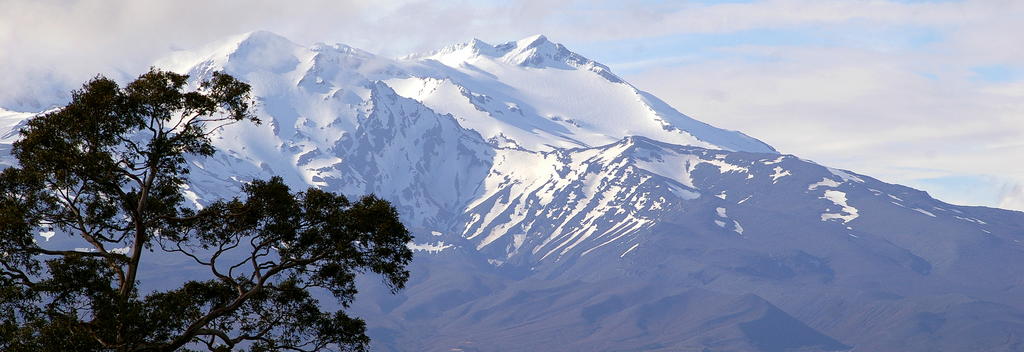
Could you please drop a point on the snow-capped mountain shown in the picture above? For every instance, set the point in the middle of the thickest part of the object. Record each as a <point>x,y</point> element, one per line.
<point>558,207</point>
<point>479,125</point>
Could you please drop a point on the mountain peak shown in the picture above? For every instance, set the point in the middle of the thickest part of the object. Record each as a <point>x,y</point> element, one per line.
<point>538,51</point>
<point>533,51</point>
<point>533,41</point>
<point>477,43</point>
<point>262,36</point>
<point>250,51</point>
<point>341,49</point>
<point>455,54</point>
<point>245,43</point>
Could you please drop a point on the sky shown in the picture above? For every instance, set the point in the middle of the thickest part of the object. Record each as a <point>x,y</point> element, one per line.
<point>928,94</point>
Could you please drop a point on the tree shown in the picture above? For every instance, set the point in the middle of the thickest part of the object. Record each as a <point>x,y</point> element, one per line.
<point>108,170</point>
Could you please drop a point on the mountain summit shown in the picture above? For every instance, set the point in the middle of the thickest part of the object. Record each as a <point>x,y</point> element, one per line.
<point>552,199</point>
<point>534,51</point>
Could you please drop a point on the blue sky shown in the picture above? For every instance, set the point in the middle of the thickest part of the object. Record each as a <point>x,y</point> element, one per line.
<point>924,93</point>
<point>630,55</point>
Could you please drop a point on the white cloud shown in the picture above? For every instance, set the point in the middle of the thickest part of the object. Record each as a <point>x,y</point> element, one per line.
<point>1012,197</point>
<point>50,43</point>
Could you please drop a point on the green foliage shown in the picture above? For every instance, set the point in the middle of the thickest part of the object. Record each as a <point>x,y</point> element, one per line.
<point>109,169</point>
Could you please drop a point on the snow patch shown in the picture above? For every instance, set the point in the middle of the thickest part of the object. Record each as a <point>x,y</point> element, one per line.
<point>846,176</point>
<point>776,161</point>
<point>724,167</point>
<point>683,193</point>
<point>838,198</point>
<point>976,221</point>
<point>192,197</point>
<point>779,173</point>
<point>825,182</point>
<point>925,212</point>
<point>429,247</point>
<point>517,241</point>
<point>674,166</point>
<point>628,250</point>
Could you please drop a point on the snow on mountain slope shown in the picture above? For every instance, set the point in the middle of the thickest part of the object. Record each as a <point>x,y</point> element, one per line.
<point>550,197</point>
<point>531,93</point>
<point>10,124</point>
<point>309,98</point>
<point>470,138</point>
<point>545,96</point>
